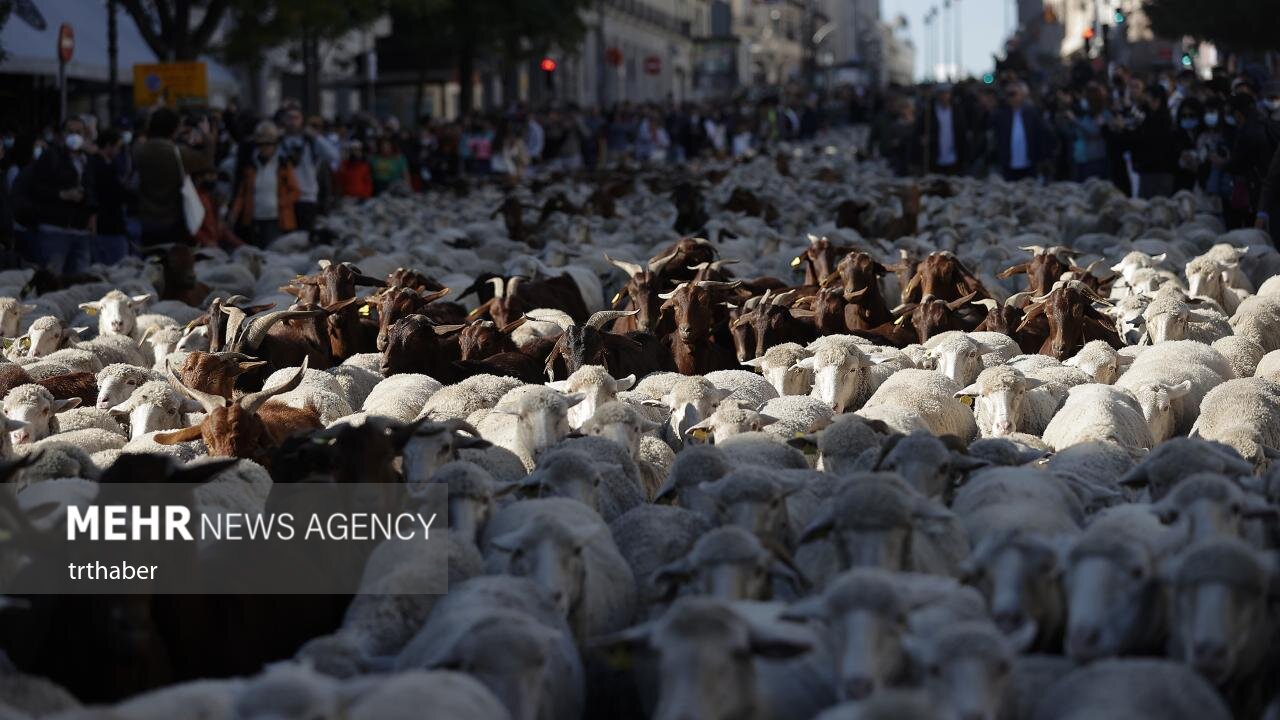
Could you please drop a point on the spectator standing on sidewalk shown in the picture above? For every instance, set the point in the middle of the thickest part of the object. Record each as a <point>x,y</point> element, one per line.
<point>311,155</point>
<point>112,244</point>
<point>159,180</point>
<point>268,192</point>
<point>65,203</point>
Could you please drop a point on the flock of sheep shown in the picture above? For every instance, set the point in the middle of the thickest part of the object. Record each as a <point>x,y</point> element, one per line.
<point>854,447</point>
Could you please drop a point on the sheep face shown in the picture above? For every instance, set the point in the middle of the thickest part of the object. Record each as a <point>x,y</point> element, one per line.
<point>43,338</point>
<point>115,388</point>
<point>836,380</point>
<point>194,339</point>
<point>922,460</point>
<point>1206,506</point>
<point>704,656</point>
<point>596,386</point>
<point>1219,602</point>
<point>565,474</point>
<point>729,420</point>
<point>117,313</point>
<point>998,398</point>
<point>509,655</point>
<point>793,380</point>
<point>752,501</point>
<point>468,514</point>
<point>156,407</point>
<point>541,422</point>
<point>8,428</point>
<point>1167,325</point>
<point>967,668</point>
<point>727,563</point>
<point>11,312</point>
<point>551,555</point>
<point>434,444</point>
<point>37,408</point>
<point>1156,400</point>
<point>1019,578</point>
<point>691,401</point>
<point>960,359</point>
<point>1108,597</point>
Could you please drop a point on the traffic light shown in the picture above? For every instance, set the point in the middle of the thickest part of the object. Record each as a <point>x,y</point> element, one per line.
<point>1187,60</point>
<point>1119,17</point>
<point>988,79</point>
<point>549,66</point>
<point>1088,39</point>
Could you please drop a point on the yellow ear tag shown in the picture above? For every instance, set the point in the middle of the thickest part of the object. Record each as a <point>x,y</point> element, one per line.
<point>91,311</point>
<point>797,261</point>
<point>698,434</point>
<point>616,298</point>
<point>899,320</point>
<point>364,310</point>
<point>967,400</point>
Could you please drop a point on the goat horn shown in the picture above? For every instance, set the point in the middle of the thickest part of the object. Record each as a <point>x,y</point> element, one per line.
<point>149,332</point>
<point>717,285</point>
<point>253,401</point>
<point>550,316</point>
<point>208,401</point>
<point>236,356</point>
<point>1033,249</point>
<point>630,268</point>
<point>785,297</point>
<point>455,424</point>
<point>216,336</point>
<point>668,296</point>
<point>657,264</point>
<point>987,303</point>
<point>829,280</point>
<point>499,286</point>
<point>258,327</point>
<point>750,304</point>
<point>597,320</point>
<point>235,321</point>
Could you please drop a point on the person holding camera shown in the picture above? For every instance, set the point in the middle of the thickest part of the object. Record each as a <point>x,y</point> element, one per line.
<point>312,156</point>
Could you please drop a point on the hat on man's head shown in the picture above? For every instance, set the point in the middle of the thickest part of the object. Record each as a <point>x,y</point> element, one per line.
<point>266,133</point>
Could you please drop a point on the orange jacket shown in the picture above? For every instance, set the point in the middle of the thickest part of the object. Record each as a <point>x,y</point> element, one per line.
<point>287,193</point>
<point>355,179</point>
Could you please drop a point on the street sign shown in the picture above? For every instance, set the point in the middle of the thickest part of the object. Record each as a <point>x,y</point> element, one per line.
<point>652,65</point>
<point>180,83</point>
<point>613,56</point>
<point>66,43</point>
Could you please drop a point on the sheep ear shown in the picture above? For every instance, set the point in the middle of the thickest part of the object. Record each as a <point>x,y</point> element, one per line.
<point>767,420</point>
<point>1032,383</point>
<point>561,385</point>
<point>10,424</point>
<point>188,405</point>
<point>647,425</point>
<point>572,399</point>
<point>670,576</point>
<point>72,332</point>
<point>1179,390</point>
<point>819,527</point>
<point>756,363</point>
<point>916,649</point>
<point>813,607</point>
<point>1073,361</point>
<point>1161,257</point>
<point>24,309</point>
<point>138,301</point>
<point>1022,638</point>
<point>91,308</point>
<point>806,363</point>
<point>510,541</point>
<point>806,443</point>
<point>624,383</point>
<point>123,408</point>
<point>67,404</point>
<point>970,391</point>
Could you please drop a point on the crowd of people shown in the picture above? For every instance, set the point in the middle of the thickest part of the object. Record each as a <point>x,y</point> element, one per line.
<point>81,195</point>
<point>1151,136</point>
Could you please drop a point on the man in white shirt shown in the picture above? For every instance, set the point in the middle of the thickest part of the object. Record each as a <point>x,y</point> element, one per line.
<point>311,154</point>
<point>946,136</point>
<point>1020,133</point>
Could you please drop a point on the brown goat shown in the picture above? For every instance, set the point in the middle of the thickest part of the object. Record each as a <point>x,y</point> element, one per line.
<point>1072,319</point>
<point>860,274</point>
<point>772,322</point>
<point>696,309</point>
<point>414,345</point>
<point>178,262</point>
<point>482,339</point>
<point>819,259</point>
<point>932,316</point>
<point>512,212</point>
<point>1044,268</point>
<point>517,296</point>
<point>83,385</point>
<point>633,353</point>
<point>216,373</point>
<point>250,427</point>
<point>644,283</point>
<point>335,282</point>
<point>412,279</point>
<point>944,277</point>
<point>397,302</point>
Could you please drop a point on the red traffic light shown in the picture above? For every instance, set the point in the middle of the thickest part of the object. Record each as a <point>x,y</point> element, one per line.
<point>1088,33</point>
<point>548,64</point>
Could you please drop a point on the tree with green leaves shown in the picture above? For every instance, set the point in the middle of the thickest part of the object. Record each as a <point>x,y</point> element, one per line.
<point>177,29</point>
<point>1239,25</point>
<point>510,32</point>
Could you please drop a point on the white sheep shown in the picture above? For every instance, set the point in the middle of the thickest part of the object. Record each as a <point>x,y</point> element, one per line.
<point>1258,318</point>
<point>1005,401</point>
<point>403,397</point>
<point>1170,379</point>
<point>780,366</point>
<point>1243,414</point>
<point>36,407</point>
<point>459,400</point>
<point>597,387</point>
<point>320,391</point>
<point>962,356</point>
<point>116,382</point>
<point>932,396</point>
<point>1099,361</point>
<point>1099,412</point>
<point>157,406</point>
<point>11,312</point>
<point>117,313</point>
<point>528,420</point>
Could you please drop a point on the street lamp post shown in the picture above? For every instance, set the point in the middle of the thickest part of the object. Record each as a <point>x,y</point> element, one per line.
<point>959,20</point>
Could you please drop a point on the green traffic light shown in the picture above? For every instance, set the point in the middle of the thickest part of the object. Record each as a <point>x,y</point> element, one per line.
<point>1119,17</point>
<point>988,78</point>
<point>1186,59</point>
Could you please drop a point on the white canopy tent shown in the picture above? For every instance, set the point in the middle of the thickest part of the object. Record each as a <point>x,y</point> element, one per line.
<point>32,49</point>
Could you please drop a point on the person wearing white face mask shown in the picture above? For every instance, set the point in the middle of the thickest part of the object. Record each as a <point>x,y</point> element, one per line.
<point>65,204</point>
